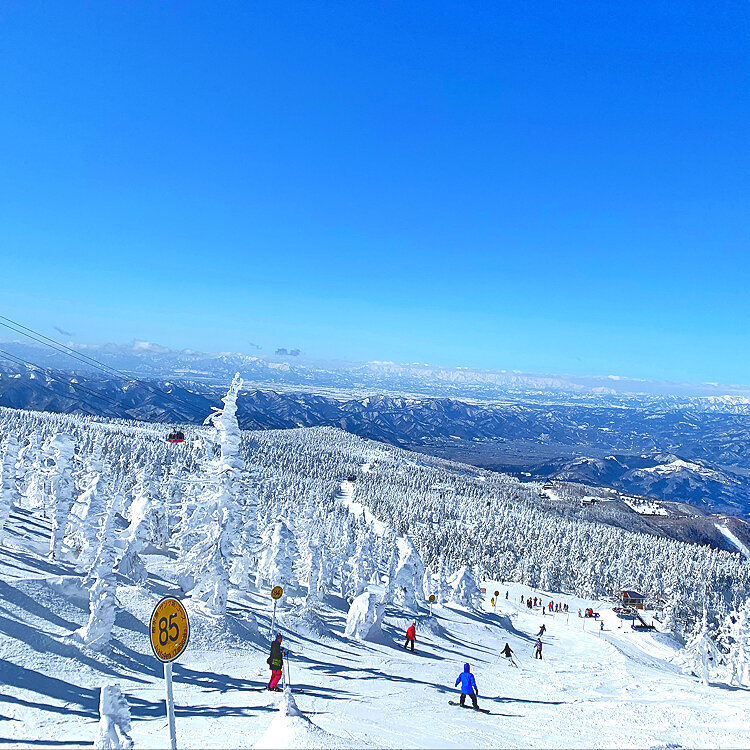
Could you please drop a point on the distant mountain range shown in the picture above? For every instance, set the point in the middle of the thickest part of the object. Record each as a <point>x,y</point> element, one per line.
<point>685,448</point>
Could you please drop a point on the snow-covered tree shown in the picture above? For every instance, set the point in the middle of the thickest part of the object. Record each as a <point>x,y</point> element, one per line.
<point>114,720</point>
<point>98,630</point>
<point>277,560</point>
<point>407,581</point>
<point>9,495</point>
<point>314,575</point>
<point>216,516</point>
<point>139,532</point>
<point>364,619</point>
<point>737,660</point>
<point>464,588</point>
<point>92,503</point>
<point>60,450</point>
<point>701,655</point>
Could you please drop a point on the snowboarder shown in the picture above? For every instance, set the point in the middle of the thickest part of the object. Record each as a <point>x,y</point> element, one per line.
<point>276,663</point>
<point>507,652</point>
<point>468,687</point>
<point>411,635</point>
<point>541,630</point>
<point>538,649</point>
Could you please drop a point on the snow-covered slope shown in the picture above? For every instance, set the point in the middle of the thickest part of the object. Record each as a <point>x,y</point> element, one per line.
<point>102,519</point>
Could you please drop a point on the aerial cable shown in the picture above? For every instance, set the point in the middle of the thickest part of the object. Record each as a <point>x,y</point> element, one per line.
<point>20,361</point>
<point>86,359</point>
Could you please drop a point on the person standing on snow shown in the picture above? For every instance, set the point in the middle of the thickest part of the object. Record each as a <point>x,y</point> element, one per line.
<point>468,687</point>
<point>538,649</point>
<point>507,652</point>
<point>276,662</point>
<point>411,635</point>
<point>541,630</point>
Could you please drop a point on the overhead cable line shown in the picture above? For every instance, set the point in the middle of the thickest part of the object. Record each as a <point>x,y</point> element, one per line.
<point>86,359</point>
<point>20,361</point>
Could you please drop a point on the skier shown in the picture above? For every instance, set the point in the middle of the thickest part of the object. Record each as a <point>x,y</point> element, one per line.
<point>507,652</point>
<point>541,631</point>
<point>538,649</point>
<point>411,635</point>
<point>506,594</point>
<point>601,624</point>
<point>276,662</point>
<point>468,687</point>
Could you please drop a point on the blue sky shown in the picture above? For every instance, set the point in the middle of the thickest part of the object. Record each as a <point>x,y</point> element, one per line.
<point>551,187</point>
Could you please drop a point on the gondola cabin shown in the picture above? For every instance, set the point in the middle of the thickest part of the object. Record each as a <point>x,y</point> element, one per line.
<point>176,436</point>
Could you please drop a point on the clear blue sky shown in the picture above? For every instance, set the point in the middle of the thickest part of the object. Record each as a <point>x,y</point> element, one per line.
<point>555,187</point>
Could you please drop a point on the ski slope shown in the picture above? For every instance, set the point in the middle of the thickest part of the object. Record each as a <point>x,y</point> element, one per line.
<point>592,689</point>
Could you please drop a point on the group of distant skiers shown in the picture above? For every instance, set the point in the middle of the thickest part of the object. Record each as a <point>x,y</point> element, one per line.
<point>536,601</point>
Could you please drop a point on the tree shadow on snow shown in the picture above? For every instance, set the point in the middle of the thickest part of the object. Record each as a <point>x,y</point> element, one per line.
<point>65,692</point>
<point>45,644</point>
<point>18,742</point>
<point>18,598</point>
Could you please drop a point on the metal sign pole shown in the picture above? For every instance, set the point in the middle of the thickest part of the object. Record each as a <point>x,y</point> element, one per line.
<point>169,631</point>
<point>170,704</point>
<point>273,620</point>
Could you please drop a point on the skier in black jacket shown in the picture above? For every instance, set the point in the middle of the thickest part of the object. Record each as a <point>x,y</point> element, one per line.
<point>276,662</point>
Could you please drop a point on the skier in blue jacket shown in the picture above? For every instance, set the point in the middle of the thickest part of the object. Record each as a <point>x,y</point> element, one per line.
<point>468,686</point>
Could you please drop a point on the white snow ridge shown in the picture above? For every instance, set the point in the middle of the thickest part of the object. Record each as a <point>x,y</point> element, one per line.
<point>102,519</point>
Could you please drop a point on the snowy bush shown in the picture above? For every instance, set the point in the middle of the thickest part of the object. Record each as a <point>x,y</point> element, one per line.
<point>464,589</point>
<point>408,577</point>
<point>279,551</point>
<point>114,720</point>
<point>364,620</point>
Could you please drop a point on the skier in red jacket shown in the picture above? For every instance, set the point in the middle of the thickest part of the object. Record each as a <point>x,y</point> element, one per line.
<point>411,635</point>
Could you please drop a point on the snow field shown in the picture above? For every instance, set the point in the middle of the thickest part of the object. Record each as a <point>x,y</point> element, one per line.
<point>591,689</point>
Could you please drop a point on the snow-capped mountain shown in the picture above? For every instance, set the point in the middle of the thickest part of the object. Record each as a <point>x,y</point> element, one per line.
<point>539,428</point>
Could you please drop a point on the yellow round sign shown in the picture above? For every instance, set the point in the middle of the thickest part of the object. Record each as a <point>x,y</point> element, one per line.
<point>169,629</point>
<point>497,593</point>
<point>432,597</point>
<point>276,592</point>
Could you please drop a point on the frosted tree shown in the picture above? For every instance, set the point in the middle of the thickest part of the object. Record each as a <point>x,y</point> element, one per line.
<point>314,575</point>
<point>365,616</point>
<point>98,630</point>
<point>61,450</point>
<point>212,556</point>
<point>30,459</point>
<point>464,588</point>
<point>701,655</point>
<point>160,517</point>
<point>114,720</point>
<point>361,565</point>
<point>737,625</point>
<point>407,582</point>
<point>105,559</point>
<point>9,495</point>
<point>138,533</point>
<point>92,502</point>
<point>277,560</point>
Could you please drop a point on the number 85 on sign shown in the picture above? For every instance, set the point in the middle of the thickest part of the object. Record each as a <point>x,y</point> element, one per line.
<point>169,629</point>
